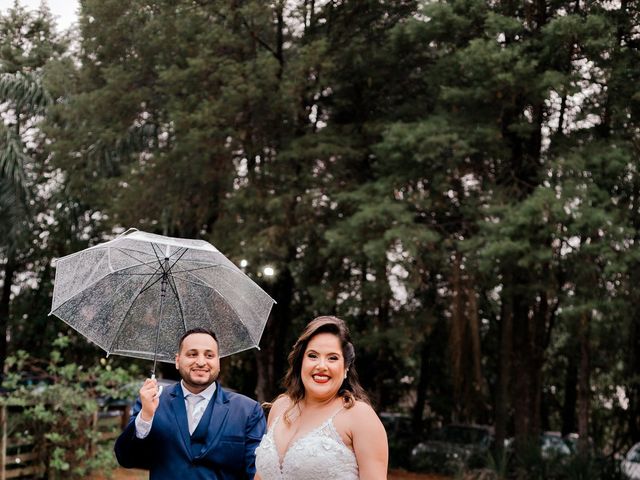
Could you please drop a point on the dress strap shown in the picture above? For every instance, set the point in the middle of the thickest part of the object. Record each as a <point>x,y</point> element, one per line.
<point>274,424</point>
<point>336,413</point>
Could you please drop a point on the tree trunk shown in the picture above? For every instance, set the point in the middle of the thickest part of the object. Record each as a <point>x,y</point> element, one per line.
<point>540,325</point>
<point>526,375</point>
<point>570,396</point>
<point>9,272</point>
<point>423,382</point>
<point>584,393</point>
<point>477,398</point>
<point>270,359</point>
<point>264,370</point>
<point>456,338</point>
<point>505,355</point>
<point>469,384</point>
<point>380,393</point>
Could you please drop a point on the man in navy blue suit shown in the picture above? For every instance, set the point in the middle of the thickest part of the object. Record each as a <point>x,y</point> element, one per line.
<point>195,429</point>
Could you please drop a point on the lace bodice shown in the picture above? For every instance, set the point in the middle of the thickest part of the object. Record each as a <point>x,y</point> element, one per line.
<point>319,455</point>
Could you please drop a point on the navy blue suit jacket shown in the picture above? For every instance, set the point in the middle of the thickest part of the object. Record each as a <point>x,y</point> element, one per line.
<point>236,426</point>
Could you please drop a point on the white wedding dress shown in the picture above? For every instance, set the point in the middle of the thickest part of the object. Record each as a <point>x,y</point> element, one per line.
<point>319,455</point>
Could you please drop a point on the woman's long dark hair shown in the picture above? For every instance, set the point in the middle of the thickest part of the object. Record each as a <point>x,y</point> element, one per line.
<point>350,390</point>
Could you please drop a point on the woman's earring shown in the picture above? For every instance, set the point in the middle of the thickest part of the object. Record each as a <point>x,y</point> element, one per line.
<point>345,373</point>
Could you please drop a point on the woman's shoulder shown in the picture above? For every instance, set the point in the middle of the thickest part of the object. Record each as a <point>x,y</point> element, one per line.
<point>361,421</point>
<point>279,406</point>
<point>361,411</point>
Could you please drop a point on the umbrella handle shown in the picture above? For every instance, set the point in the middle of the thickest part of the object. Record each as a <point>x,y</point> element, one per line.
<point>160,387</point>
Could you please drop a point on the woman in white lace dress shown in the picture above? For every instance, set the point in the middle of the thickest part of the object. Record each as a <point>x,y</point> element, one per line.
<point>323,427</point>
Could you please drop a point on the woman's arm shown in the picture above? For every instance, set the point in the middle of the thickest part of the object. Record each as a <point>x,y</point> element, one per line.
<point>369,442</point>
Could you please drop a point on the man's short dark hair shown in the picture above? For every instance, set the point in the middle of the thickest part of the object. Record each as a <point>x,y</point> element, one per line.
<point>206,331</point>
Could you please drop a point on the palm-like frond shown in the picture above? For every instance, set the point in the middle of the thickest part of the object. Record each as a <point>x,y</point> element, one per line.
<point>24,92</point>
<point>12,159</point>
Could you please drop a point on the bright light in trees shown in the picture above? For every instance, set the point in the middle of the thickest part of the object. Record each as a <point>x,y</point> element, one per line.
<point>268,271</point>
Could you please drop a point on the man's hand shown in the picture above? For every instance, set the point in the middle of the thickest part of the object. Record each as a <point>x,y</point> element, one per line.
<point>149,397</point>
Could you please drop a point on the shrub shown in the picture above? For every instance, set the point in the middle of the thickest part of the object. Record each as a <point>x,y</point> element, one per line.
<point>53,406</point>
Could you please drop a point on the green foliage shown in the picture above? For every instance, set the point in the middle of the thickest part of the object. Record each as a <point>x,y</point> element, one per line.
<point>55,406</point>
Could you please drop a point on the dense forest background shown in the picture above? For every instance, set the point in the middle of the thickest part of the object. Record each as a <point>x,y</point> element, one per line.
<point>458,179</point>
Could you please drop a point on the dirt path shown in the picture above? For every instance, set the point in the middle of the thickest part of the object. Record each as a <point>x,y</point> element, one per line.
<point>402,475</point>
<point>123,474</point>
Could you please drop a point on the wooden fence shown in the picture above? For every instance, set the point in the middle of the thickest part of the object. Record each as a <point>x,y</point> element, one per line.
<point>18,459</point>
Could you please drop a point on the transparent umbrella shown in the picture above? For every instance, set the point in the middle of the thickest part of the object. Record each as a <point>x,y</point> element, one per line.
<point>137,294</point>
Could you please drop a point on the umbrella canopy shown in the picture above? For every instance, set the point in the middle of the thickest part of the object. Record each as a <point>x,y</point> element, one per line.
<point>137,294</point>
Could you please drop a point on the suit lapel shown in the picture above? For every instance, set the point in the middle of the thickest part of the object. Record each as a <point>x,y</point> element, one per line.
<point>218,419</point>
<point>180,414</point>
